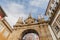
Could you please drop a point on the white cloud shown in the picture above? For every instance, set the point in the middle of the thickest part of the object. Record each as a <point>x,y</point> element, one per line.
<point>15,8</point>
<point>38,3</point>
<point>14,11</point>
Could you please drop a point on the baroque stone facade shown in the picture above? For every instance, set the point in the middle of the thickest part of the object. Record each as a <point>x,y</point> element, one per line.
<point>40,28</point>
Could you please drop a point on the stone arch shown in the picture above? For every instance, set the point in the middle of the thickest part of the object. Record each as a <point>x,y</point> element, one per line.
<point>28,31</point>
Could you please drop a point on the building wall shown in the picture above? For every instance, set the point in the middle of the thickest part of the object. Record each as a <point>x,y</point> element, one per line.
<point>53,11</point>
<point>52,7</point>
<point>56,25</point>
<point>4,31</point>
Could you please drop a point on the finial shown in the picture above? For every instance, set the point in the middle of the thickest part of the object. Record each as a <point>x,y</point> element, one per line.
<point>30,14</point>
<point>39,17</point>
<point>42,16</point>
<point>20,20</point>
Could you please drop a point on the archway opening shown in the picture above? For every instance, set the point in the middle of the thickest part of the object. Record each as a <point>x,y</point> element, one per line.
<point>30,34</point>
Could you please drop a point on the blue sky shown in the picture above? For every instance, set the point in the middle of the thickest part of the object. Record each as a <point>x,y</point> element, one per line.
<point>21,8</point>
